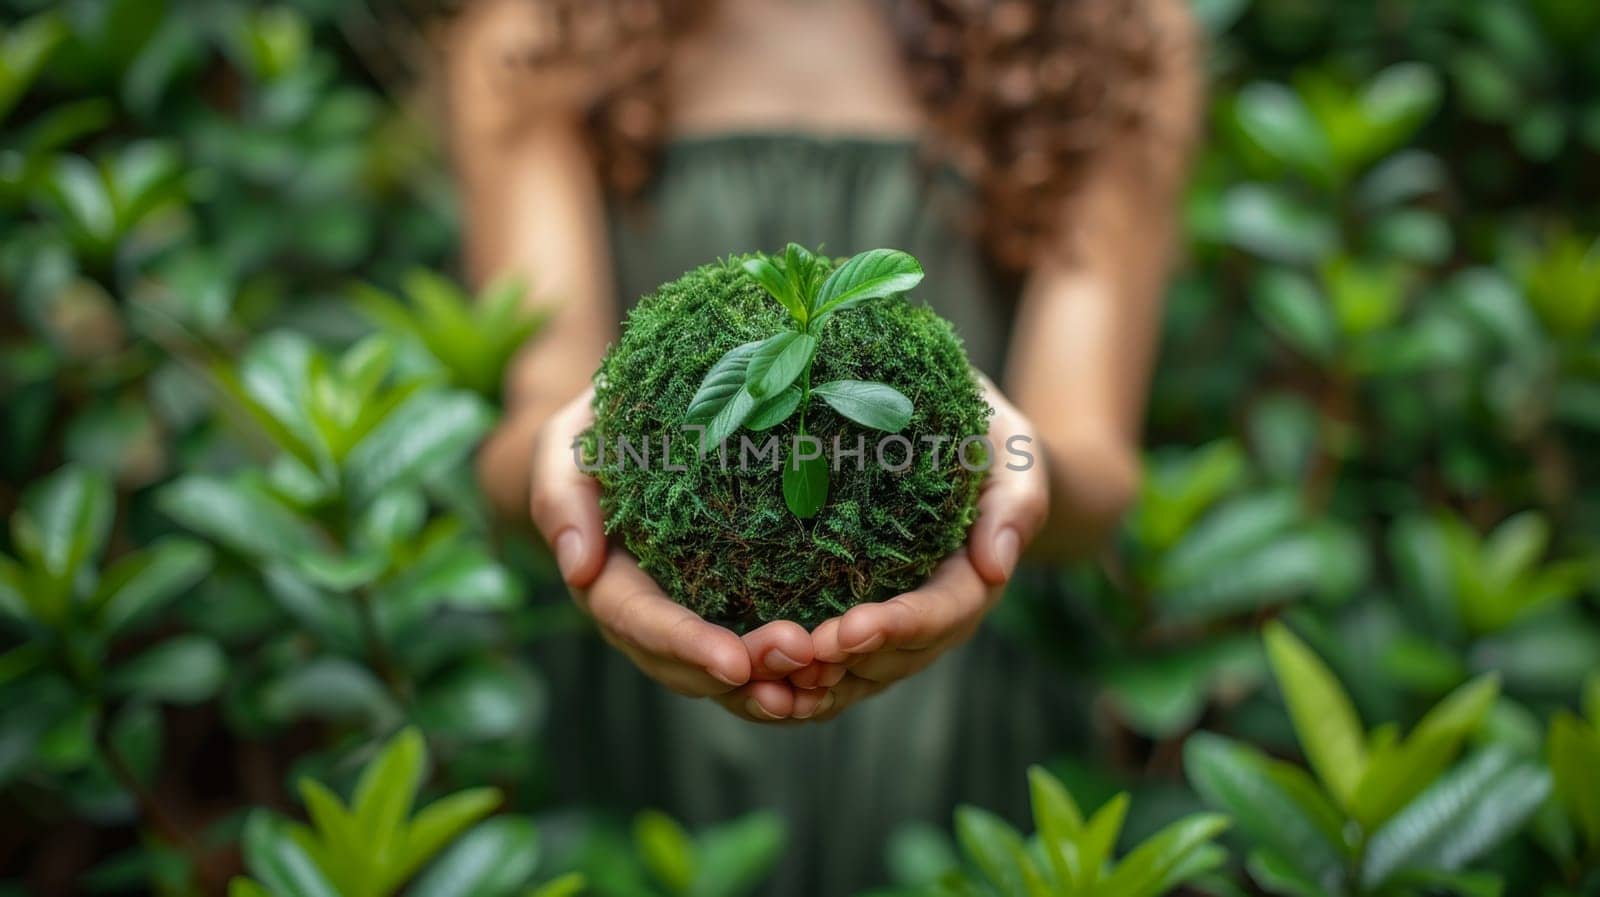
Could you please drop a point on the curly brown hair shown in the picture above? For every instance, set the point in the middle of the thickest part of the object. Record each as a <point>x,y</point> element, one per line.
<point>1021,94</point>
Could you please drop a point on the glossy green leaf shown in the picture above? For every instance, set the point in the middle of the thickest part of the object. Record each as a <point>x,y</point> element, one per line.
<point>777,362</point>
<point>1282,813</point>
<point>1100,838</point>
<point>867,275</point>
<point>185,669</point>
<point>666,849</point>
<point>773,280</point>
<point>431,433</point>
<point>992,845</point>
<point>805,485</point>
<point>280,864</point>
<point>1397,773</point>
<point>1058,822</point>
<point>139,584</point>
<point>63,524</point>
<point>1299,314</point>
<point>570,885</point>
<point>875,405</point>
<point>386,790</point>
<point>240,515</point>
<point>735,857</point>
<point>1279,124</point>
<point>1330,733</point>
<point>774,410</point>
<point>722,403</point>
<point>1149,868</point>
<point>495,859</point>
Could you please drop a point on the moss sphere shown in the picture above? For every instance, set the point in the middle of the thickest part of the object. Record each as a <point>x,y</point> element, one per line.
<point>718,537</point>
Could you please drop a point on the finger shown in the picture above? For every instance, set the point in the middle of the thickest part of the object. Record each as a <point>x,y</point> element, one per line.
<point>818,674</point>
<point>809,702</point>
<point>848,693</point>
<point>563,500</point>
<point>626,602</point>
<point>952,598</point>
<point>778,649</point>
<point>760,702</point>
<point>1013,503</point>
<point>825,643</point>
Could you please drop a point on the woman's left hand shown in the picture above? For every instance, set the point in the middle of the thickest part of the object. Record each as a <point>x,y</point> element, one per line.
<point>872,646</point>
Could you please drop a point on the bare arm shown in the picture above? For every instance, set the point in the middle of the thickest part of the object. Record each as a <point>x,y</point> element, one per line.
<point>533,208</point>
<point>1086,332</point>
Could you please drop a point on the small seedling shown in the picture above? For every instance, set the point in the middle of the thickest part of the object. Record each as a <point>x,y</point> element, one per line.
<point>763,383</point>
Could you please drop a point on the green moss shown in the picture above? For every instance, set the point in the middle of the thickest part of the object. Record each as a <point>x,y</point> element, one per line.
<point>719,539</point>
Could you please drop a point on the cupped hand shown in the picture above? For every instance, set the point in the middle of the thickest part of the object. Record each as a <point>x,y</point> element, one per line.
<point>666,641</point>
<point>872,646</point>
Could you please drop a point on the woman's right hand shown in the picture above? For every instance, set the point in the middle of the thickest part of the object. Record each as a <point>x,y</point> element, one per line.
<point>666,641</point>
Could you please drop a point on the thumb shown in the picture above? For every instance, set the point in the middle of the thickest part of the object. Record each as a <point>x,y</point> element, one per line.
<point>564,500</point>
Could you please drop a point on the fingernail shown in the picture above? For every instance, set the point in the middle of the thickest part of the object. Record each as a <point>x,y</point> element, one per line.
<point>781,663</point>
<point>1007,545</point>
<point>754,708</point>
<point>718,675</point>
<point>824,705</point>
<point>870,643</point>
<point>569,551</point>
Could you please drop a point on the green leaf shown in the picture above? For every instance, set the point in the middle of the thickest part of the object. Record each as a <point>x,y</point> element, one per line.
<point>244,887</point>
<point>386,790</point>
<point>183,670</point>
<point>722,403</point>
<point>779,286</point>
<point>1459,816</point>
<point>1058,822</point>
<point>24,49</point>
<point>992,845</point>
<point>1149,868</point>
<point>1297,312</point>
<point>1397,773</point>
<point>63,524</point>
<point>240,515</point>
<point>1283,813</point>
<point>433,432</point>
<point>281,865</point>
<point>875,405</point>
<point>774,410</point>
<point>1574,755</point>
<point>1330,733</point>
<point>867,275</point>
<point>570,885</point>
<point>1099,838</point>
<point>1279,124</point>
<point>777,362</point>
<point>735,857</point>
<point>805,485</point>
<point>494,859</point>
<point>139,584</point>
<point>666,850</point>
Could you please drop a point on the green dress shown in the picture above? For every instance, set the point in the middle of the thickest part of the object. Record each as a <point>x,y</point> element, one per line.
<point>965,729</point>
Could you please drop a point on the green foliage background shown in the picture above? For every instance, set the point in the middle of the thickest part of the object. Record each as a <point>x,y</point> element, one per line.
<point>240,494</point>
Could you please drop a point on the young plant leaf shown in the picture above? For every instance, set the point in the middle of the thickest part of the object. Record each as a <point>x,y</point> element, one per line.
<point>1330,733</point>
<point>725,379</point>
<point>802,268</point>
<point>867,275</point>
<point>875,405</point>
<point>805,485</point>
<point>774,410</point>
<point>778,284</point>
<point>777,362</point>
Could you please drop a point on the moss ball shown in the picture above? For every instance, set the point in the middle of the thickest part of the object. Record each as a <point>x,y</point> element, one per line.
<point>716,534</point>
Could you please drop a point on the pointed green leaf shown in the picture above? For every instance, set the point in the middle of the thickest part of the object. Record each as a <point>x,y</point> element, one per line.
<point>1397,773</point>
<point>138,584</point>
<point>244,887</point>
<point>778,285</point>
<point>1149,867</point>
<point>777,362</point>
<point>1100,837</point>
<point>281,865</point>
<point>867,275</point>
<point>63,524</point>
<point>184,669</point>
<point>734,857</point>
<point>387,788</point>
<point>570,885</point>
<point>433,432</point>
<point>1057,820</point>
<point>494,859</point>
<point>666,849</point>
<point>721,388</point>
<point>805,485</point>
<point>438,824</point>
<point>1574,752</point>
<point>875,405</point>
<point>993,846</point>
<point>774,410</point>
<point>1330,733</point>
<point>1284,814</point>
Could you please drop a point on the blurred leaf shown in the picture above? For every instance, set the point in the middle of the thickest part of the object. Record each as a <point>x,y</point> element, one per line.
<point>495,859</point>
<point>240,515</point>
<point>24,49</point>
<point>1280,125</point>
<point>1294,310</point>
<point>431,432</point>
<point>139,584</point>
<point>1325,722</point>
<point>1574,757</point>
<point>184,670</point>
<point>666,850</point>
<point>1266,221</point>
<point>60,529</point>
<point>735,857</point>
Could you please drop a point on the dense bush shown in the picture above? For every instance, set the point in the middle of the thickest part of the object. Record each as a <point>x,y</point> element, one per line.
<point>239,493</point>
